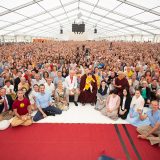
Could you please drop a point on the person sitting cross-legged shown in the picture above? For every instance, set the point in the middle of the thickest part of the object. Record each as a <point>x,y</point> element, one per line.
<point>148,131</point>
<point>102,95</point>
<point>44,102</point>
<point>112,105</point>
<point>21,110</point>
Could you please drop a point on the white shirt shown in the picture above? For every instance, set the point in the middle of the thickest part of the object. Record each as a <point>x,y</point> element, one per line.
<point>11,87</point>
<point>123,103</point>
<point>49,88</point>
<point>71,85</point>
<point>34,81</point>
<point>32,95</point>
<point>137,103</point>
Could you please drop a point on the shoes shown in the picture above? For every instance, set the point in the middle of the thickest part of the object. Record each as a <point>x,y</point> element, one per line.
<point>83,104</point>
<point>76,104</point>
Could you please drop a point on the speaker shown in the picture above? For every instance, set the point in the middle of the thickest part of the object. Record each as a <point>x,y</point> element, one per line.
<point>78,28</point>
<point>95,30</point>
<point>74,27</point>
<point>61,31</point>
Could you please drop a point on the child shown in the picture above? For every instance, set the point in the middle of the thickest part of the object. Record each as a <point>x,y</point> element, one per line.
<point>89,80</point>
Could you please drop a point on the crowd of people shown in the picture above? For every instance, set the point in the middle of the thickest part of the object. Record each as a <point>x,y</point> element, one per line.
<point>118,79</point>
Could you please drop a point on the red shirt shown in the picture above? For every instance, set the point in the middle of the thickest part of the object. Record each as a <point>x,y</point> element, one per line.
<point>21,106</point>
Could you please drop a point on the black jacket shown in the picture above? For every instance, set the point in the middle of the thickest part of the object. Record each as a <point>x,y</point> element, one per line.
<point>127,102</point>
<point>126,105</point>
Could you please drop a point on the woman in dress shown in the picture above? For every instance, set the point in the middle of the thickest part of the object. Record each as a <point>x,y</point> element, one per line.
<point>112,105</point>
<point>136,108</point>
<point>60,97</point>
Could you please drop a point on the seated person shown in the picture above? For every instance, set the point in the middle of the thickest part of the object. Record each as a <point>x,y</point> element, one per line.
<point>21,110</point>
<point>89,81</point>
<point>86,96</point>
<point>72,87</point>
<point>6,102</point>
<point>136,108</point>
<point>102,95</point>
<point>44,105</point>
<point>112,105</point>
<point>124,104</point>
<point>60,97</point>
<point>151,132</point>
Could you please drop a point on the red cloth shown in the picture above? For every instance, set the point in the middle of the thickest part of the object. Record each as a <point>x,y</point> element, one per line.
<point>124,83</point>
<point>21,106</point>
<point>87,96</point>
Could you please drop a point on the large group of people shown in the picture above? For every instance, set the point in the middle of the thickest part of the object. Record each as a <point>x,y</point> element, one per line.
<point>118,80</point>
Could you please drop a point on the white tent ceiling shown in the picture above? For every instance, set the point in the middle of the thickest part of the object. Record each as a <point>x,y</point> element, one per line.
<point>111,17</point>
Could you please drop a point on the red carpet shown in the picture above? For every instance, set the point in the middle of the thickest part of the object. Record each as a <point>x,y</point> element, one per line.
<point>70,142</point>
<point>146,151</point>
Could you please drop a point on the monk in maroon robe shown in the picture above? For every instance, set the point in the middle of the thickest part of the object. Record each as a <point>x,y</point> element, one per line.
<point>121,83</point>
<point>87,96</point>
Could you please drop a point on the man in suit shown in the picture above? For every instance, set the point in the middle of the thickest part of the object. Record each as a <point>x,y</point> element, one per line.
<point>6,102</point>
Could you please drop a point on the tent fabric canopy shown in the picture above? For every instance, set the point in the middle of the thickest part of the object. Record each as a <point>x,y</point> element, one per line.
<point>111,18</point>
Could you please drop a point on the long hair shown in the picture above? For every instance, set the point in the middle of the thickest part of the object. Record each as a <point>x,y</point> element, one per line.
<point>100,88</point>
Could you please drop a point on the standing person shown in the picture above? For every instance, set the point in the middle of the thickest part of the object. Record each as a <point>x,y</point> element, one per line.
<point>72,87</point>
<point>148,131</point>
<point>44,102</point>
<point>86,96</point>
<point>17,80</point>
<point>49,86</point>
<point>124,104</point>
<point>21,110</point>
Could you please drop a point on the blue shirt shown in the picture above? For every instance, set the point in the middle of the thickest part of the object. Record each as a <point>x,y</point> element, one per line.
<point>43,100</point>
<point>153,117</point>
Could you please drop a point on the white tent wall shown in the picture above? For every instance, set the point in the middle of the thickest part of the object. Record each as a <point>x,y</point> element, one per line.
<point>44,18</point>
<point>130,38</point>
<point>17,38</point>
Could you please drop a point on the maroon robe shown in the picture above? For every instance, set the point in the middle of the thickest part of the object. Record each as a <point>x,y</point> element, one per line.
<point>86,96</point>
<point>124,83</point>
